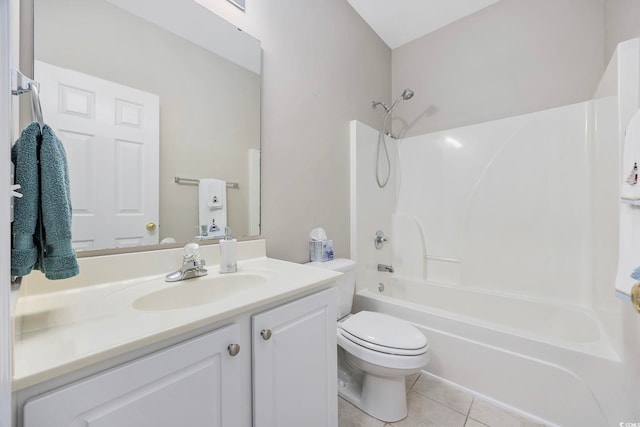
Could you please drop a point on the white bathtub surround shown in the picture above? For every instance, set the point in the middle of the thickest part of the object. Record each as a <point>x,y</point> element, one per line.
<point>371,207</point>
<point>505,211</point>
<point>503,202</point>
<point>625,67</point>
<point>504,238</point>
<point>410,258</point>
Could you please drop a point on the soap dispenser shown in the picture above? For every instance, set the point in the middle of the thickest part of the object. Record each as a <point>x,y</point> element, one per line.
<point>228,253</point>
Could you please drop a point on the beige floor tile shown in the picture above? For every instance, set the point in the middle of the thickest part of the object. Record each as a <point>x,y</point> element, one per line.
<point>424,412</point>
<point>450,396</point>
<point>473,423</point>
<point>495,416</point>
<point>350,416</point>
<point>410,380</point>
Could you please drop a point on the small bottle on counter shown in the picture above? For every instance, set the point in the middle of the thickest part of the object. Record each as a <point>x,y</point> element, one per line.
<point>228,253</point>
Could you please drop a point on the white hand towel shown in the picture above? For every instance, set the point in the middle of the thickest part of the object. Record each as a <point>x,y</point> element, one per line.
<point>212,191</point>
<point>212,206</point>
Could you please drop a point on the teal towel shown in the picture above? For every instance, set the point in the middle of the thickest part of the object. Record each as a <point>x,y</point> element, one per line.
<point>59,260</point>
<point>24,155</point>
<point>48,232</point>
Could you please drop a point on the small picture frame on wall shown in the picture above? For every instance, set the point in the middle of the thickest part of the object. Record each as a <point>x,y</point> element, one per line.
<point>237,3</point>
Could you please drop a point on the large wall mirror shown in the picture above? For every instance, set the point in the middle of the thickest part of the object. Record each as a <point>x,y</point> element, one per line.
<point>142,92</point>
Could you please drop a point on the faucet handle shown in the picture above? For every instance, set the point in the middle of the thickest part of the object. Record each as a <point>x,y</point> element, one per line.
<point>191,252</point>
<point>380,239</point>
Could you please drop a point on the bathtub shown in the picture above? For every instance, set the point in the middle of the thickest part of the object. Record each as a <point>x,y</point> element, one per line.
<point>549,361</point>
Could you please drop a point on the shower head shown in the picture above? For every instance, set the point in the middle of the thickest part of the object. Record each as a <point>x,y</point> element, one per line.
<point>407,94</point>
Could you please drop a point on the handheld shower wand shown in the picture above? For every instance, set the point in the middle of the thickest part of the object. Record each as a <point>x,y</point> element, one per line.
<point>405,95</point>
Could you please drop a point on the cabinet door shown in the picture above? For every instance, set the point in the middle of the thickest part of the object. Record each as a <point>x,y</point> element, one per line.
<point>294,363</point>
<point>190,384</point>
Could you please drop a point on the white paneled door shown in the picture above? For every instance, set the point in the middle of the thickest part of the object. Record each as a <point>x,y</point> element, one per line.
<point>110,133</point>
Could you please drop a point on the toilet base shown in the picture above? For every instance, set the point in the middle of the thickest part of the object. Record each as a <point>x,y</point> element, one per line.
<point>384,398</point>
<point>381,396</point>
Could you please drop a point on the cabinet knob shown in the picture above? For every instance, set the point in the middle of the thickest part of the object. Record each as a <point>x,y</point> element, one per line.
<point>266,334</point>
<point>234,349</point>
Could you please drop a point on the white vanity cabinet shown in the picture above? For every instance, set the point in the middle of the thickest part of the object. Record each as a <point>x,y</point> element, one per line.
<point>287,357</point>
<point>294,363</point>
<point>195,383</point>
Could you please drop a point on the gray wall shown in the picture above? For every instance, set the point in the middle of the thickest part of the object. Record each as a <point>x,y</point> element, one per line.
<point>622,22</point>
<point>322,67</point>
<point>513,57</point>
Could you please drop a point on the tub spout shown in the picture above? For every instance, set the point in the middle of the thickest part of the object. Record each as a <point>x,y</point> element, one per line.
<point>385,267</point>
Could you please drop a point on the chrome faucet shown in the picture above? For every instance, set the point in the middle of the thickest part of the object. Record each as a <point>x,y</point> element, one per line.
<point>385,267</point>
<point>192,265</point>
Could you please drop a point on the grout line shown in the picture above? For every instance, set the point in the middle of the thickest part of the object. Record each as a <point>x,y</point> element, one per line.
<point>414,382</point>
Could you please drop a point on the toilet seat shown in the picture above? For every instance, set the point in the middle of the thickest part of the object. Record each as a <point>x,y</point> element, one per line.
<point>395,363</point>
<point>382,333</point>
<point>381,348</point>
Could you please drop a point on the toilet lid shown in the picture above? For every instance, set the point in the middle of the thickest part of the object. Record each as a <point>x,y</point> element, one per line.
<point>383,330</point>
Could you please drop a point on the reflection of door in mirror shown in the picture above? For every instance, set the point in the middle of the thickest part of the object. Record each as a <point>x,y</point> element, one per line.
<point>205,72</point>
<point>108,130</point>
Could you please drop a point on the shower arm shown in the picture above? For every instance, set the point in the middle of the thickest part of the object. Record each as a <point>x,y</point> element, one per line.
<point>374,104</point>
<point>405,95</point>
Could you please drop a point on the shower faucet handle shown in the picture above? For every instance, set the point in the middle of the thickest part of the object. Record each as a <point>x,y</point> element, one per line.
<point>380,239</point>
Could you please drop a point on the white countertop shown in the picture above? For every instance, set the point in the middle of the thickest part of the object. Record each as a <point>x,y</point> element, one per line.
<point>61,331</point>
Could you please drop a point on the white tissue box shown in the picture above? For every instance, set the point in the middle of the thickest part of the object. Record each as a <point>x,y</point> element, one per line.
<point>321,250</point>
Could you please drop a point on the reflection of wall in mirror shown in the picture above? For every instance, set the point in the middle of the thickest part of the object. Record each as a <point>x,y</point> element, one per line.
<point>210,109</point>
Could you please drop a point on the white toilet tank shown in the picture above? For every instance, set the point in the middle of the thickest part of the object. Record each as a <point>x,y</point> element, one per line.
<point>346,284</point>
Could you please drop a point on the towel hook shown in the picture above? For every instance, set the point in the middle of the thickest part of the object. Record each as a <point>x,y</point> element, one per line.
<point>36,108</point>
<point>21,84</point>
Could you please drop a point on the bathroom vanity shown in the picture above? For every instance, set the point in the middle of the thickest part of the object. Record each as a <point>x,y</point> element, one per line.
<point>257,347</point>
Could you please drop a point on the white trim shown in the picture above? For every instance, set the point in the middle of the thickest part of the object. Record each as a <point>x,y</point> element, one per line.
<point>5,231</point>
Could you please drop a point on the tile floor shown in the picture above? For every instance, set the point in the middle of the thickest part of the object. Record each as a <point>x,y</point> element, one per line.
<point>433,403</point>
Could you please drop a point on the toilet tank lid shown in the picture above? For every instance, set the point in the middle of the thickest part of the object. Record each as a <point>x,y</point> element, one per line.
<point>338,264</point>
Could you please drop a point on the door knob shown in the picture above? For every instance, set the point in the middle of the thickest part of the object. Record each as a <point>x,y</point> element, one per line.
<point>151,226</point>
<point>635,296</point>
<point>266,334</point>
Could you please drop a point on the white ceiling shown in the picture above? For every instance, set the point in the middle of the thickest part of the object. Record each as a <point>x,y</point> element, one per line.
<point>400,21</point>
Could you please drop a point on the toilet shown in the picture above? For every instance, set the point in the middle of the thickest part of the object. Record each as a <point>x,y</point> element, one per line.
<point>375,352</point>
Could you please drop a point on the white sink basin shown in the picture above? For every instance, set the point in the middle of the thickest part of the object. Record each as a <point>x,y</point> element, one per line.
<point>200,291</point>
